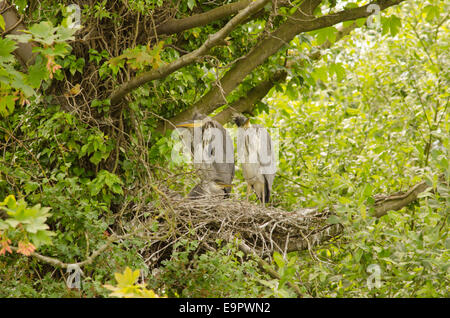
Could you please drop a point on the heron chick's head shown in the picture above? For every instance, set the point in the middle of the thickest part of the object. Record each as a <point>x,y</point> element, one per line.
<point>240,120</point>
<point>198,120</point>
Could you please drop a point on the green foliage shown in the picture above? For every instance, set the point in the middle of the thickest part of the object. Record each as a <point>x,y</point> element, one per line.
<point>380,126</point>
<point>98,147</point>
<point>370,117</point>
<point>223,273</point>
<point>17,86</point>
<point>24,223</point>
<point>287,270</point>
<point>127,287</point>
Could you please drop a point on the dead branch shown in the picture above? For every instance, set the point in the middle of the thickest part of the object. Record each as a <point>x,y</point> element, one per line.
<point>399,200</point>
<point>58,263</point>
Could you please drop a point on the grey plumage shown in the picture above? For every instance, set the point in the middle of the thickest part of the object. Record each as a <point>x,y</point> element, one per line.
<point>256,152</point>
<point>214,144</point>
<point>208,188</point>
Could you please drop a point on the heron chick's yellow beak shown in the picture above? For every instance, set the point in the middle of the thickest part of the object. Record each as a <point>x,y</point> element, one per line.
<point>190,125</point>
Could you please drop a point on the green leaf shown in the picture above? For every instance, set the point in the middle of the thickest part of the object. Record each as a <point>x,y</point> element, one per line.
<point>35,226</point>
<point>325,34</point>
<point>431,12</point>
<point>43,31</point>
<point>10,202</point>
<point>7,104</point>
<point>191,4</point>
<point>117,189</point>
<point>278,259</point>
<point>360,22</point>
<point>333,219</point>
<point>12,222</point>
<point>96,158</point>
<point>21,38</point>
<point>396,24</point>
<point>42,237</point>
<point>128,277</point>
<point>391,24</point>
<point>320,73</point>
<point>2,23</point>
<point>36,74</point>
<point>292,91</point>
<point>7,46</point>
<point>339,70</point>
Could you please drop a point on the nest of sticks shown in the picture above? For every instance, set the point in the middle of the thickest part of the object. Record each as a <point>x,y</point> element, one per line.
<point>257,229</point>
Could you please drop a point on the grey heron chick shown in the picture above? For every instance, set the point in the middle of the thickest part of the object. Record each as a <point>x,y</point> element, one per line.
<point>255,149</point>
<point>209,188</point>
<point>212,149</point>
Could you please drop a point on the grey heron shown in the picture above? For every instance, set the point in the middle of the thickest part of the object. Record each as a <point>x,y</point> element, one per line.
<point>255,149</point>
<point>213,151</point>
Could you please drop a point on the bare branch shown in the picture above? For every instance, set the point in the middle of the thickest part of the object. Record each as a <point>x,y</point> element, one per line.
<point>57,263</point>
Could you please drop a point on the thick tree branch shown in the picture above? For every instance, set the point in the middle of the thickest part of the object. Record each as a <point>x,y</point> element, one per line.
<point>257,93</point>
<point>246,104</point>
<point>162,72</point>
<point>301,21</point>
<point>14,25</point>
<point>179,25</point>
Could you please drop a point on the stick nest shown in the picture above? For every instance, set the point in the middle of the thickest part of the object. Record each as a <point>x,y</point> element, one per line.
<point>263,229</point>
